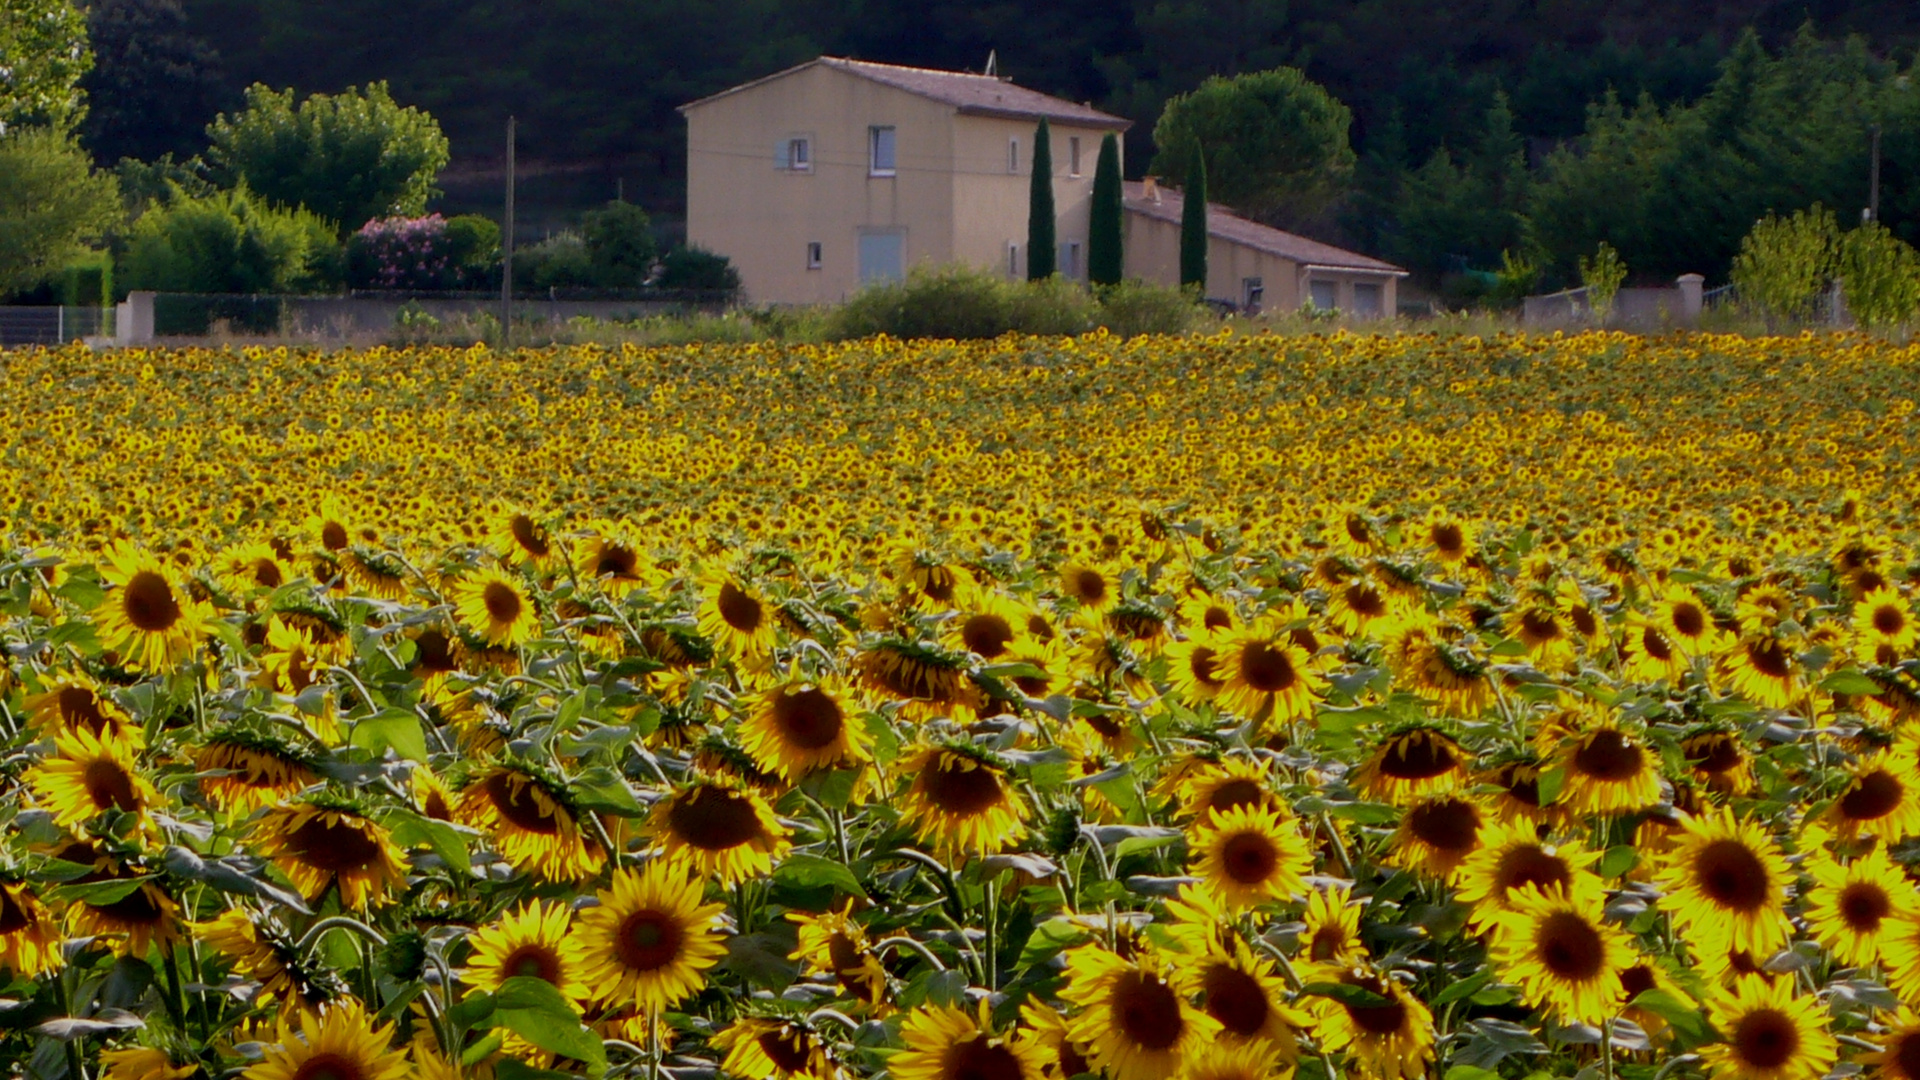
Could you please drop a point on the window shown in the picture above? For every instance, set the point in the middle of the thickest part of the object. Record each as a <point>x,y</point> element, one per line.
<point>813,255</point>
<point>1013,155</point>
<point>1324,295</point>
<point>1366,300</point>
<point>800,154</point>
<point>1069,261</point>
<point>1073,156</point>
<point>882,255</point>
<point>1013,260</point>
<point>1252,293</point>
<point>880,158</point>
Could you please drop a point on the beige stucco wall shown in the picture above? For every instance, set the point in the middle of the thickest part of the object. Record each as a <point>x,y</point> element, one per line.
<point>990,202</point>
<point>741,205</point>
<point>1153,254</point>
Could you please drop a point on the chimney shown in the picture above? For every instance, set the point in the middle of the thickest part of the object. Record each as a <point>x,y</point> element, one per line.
<point>1150,187</point>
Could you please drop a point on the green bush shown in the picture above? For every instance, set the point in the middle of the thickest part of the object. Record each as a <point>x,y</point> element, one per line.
<point>473,245</point>
<point>558,262</point>
<point>1785,264</point>
<point>1134,307</point>
<point>620,247</point>
<point>1879,276</point>
<point>696,268</point>
<point>87,281</point>
<point>232,242</point>
<point>52,204</point>
<point>962,302</point>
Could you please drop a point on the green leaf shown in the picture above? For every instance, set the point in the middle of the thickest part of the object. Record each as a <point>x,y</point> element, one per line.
<point>570,711</point>
<point>81,591</point>
<point>1551,781</point>
<point>1687,1019</point>
<point>413,830</point>
<point>514,1069</point>
<point>98,893</point>
<point>535,1010</point>
<point>1364,813</point>
<point>833,787</point>
<point>886,744</point>
<point>77,633</point>
<point>474,1010</point>
<point>485,1048</point>
<point>1050,939</point>
<point>1618,860</point>
<point>1465,988</point>
<point>392,728</point>
<point>605,791</point>
<point>1134,844</point>
<point>802,870</point>
<point>1850,682</point>
<point>1470,1072</point>
<point>1358,996</point>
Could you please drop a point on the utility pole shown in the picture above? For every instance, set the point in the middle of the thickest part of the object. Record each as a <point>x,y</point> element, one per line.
<point>506,253</point>
<point>1873,188</point>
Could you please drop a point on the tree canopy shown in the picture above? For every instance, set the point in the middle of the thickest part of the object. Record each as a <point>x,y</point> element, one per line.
<point>1274,142</point>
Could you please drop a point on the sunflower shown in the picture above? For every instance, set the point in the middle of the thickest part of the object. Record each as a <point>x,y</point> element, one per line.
<point>75,702</point>
<point>1203,614</point>
<point>944,1043</point>
<point>1513,857</point>
<point>803,727</point>
<point>534,941</point>
<point>1193,669</point>
<point>1562,954</point>
<point>1899,1057</point>
<point>144,917</point>
<point>1720,760</point>
<point>1388,1036</point>
<point>341,1043</point>
<point>987,624</point>
<point>146,617</point>
<point>1771,1031</point>
<point>256,949</point>
<point>1850,907</point>
<point>1451,539</point>
<point>1647,654</point>
<point>758,1048</point>
<point>1249,855</point>
<point>143,1063</point>
<point>331,526</point>
<point>522,539</point>
<point>736,618</point>
<point>1412,762</point>
<point>1264,673</point>
<point>1685,621</point>
<point>1548,641</point>
<point>496,609</point>
<point>1088,586</point>
<point>319,844</point>
<point>1065,1059</point>
<point>1883,616</point>
<point>1434,668</point>
<point>1330,930</point>
<point>1762,669</point>
<point>1133,1022</point>
<point>1879,798</point>
<point>1245,996</point>
<point>1900,954</point>
<point>650,938</point>
<point>1608,771</point>
<point>30,939</point>
<point>961,802</point>
<point>1725,881</point>
<point>530,822</point>
<point>933,582</point>
<point>1216,787</point>
<point>720,829</point>
<point>612,561</point>
<point>1358,606</point>
<point>89,776</point>
<point>242,771</point>
<point>1436,835</point>
<point>933,681</point>
<point>1517,798</point>
<point>1637,978</point>
<point>833,944</point>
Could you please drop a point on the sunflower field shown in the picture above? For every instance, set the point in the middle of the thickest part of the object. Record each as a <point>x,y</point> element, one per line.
<point>1219,708</point>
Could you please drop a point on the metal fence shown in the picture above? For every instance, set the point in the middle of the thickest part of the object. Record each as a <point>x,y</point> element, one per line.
<point>53,325</point>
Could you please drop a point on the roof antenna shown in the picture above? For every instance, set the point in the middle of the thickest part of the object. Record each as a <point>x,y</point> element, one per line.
<point>993,63</point>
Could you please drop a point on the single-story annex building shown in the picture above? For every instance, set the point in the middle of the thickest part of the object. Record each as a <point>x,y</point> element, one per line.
<point>836,173</point>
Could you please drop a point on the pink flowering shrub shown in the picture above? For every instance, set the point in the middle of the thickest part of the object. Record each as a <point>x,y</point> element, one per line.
<point>423,253</point>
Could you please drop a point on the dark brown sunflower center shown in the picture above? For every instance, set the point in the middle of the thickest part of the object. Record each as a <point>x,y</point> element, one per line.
<point>1238,791</point>
<point>137,908</point>
<point>1904,1055</point>
<point>648,940</point>
<point>333,845</point>
<point>330,1066</point>
<point>13,914</point>
<point>981,1058</point>
<point>843,953</point>
<point>715,819</point>
<point>1216,617</point>
<point>1236,999</point>
<point>110,786</point>
<point>333,536</point>
<point>1688,619</point>
<point>1071,1063</point>
<point>147,600</point>
<point>1714,754</point>
<point>529,535</point>
<point>1769,658</point>
<point>266,573</point>
<point>988,634</point>
<point>1377,1020</point>
<point>1448,538</point>
<point>1531,865</point>
<point>1570,947</point>
<point>937,582</point>
<point>433,651</point>
<point>1147,1011</point>
<point>1450,825</point>
<point>502,601</point>
<point>1637,980</point>
<point>1863,906</point>
<point>1610,756</point>
<point>80,708</point>
<point>1766,1039</point>
<point>1267,668</point>
<point>1539,625</point>
<point>1520,787</point>
<point>515,803</point>
<point>1326,943</point>
<point>1654,644</point>
<point>738,610</point>
<point>808,718</point>
<point>957,789</point>
<point>1888,619</point>
<point>1731,875</point>
<point>615,561</point>
<point>1088,586</point>
<point>1584,620</point>
<point>787,1050</point>
<point>1873,796</point>
<point>1249,858</point>
<point>532,960</point>
<point>1200,663</point>
<point>1421,756</point>
<point>1366,601</point>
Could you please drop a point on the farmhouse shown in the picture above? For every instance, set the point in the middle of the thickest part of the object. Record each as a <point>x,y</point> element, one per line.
<point>836,173</point>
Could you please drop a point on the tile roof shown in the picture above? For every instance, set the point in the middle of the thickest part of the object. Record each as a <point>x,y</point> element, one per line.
<point>1224,224</point>
<point>978,95</point>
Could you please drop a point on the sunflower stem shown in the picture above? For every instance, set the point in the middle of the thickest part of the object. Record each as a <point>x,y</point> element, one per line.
<point>954,905</point>
<point>835,1015</point>
<point>1606,1047</point>
<point>336,922</point>
<point>177,988</point>
<point>74,1068</point>
<point>911,946</point>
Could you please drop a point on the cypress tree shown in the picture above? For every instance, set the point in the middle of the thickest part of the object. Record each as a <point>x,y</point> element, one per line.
<point>1106,263</point>
<point>1040,223</point>
<point>1193,226</point>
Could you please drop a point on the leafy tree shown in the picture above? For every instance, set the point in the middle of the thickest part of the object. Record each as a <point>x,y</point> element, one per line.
<point>1785,264</point>
<point>1040,219</point>
<point>696,268</point>
<point>43,55</point>
<point>1106,263</point>
<point>1602,277</point>
<point>1193,225</point>
<point>1879,276</point>
<point>620,246</point>
<point>231,242</point>
<point>1275,143</point>
<point>154,85</point>
<point>52,204</point>
<point>349,157</point>
<point>1471,207</point>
